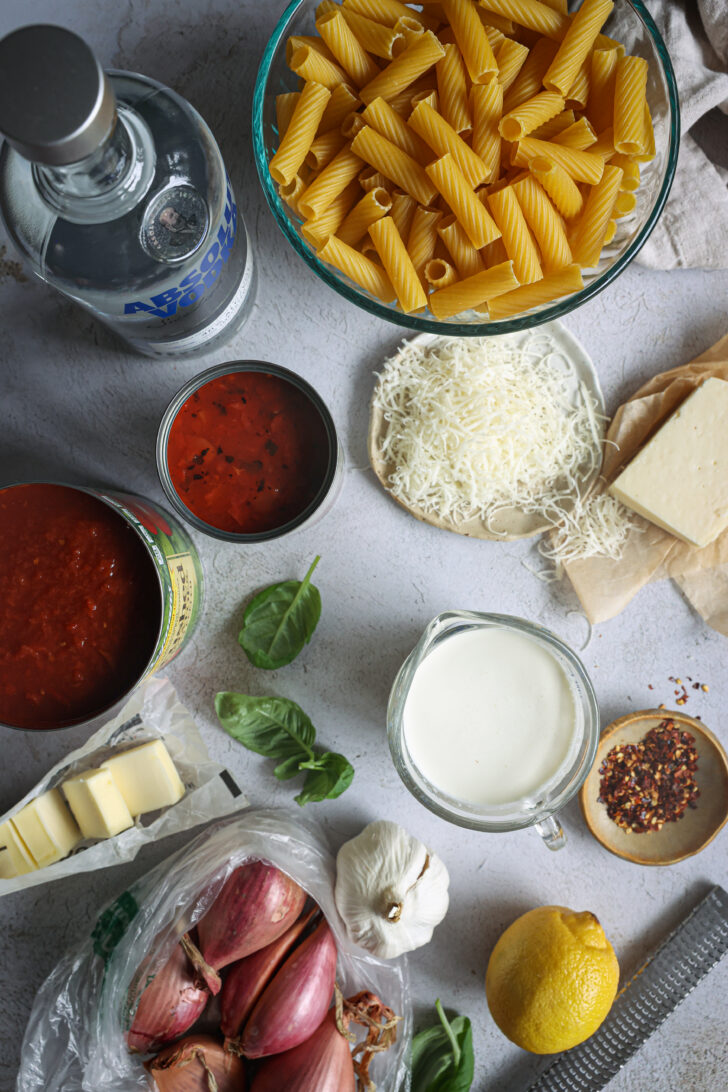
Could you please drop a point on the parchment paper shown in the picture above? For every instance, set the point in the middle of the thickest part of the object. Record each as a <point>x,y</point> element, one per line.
<point>605,587</point>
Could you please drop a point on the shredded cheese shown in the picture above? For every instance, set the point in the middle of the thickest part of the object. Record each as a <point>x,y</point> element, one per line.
<point>478,425</point>
<point>596,527</point>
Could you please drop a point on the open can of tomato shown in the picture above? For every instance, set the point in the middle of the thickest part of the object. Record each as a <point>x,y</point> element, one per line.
<point>247,451</point>
<point>98,590</point>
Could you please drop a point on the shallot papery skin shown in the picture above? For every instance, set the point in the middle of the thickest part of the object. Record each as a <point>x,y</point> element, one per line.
<point>247,979</point>
<point>256,906</point>
<point>169,1005</point>
<point>296,1000</point>
<point>320,1064</point>
<point>198,1063</point>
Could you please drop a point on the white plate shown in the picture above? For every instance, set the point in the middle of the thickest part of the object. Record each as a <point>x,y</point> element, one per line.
<point>510,523</point>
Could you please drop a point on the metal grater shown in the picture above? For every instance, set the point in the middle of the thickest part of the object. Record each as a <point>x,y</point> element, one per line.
<point>667,976</point>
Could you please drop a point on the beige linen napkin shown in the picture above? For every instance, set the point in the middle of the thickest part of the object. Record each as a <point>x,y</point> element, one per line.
<point>693,228</point>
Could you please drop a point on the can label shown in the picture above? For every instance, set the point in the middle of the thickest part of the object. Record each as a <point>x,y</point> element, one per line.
<point>178,566</point>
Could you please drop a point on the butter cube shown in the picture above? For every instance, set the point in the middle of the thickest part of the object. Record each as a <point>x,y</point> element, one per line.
<point>146,777</point>
<point>98,806</point>
<point>679,480</point>
<point>15,860</point>
<point>47,828</point>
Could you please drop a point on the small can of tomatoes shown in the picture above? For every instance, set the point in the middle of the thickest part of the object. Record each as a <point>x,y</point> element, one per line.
<point>247,451</point>
<point>98,590</point>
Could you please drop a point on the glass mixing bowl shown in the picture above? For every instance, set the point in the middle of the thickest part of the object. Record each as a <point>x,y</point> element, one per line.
<point>632,24</point>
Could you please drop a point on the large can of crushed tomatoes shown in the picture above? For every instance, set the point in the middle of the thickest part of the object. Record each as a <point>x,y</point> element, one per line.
<point>98,590</point>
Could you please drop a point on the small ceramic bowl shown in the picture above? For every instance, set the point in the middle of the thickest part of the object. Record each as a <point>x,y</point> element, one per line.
<point>676,840</point>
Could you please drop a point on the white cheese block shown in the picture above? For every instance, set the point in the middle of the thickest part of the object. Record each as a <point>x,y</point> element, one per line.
<point>679,480</point>
<point>98,806</point>
<point>47,828</point>
<point>146,777</point>
<point>15,860</point>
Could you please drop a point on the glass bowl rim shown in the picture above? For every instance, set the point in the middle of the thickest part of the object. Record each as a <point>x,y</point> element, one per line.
<point>231,367</point>
<point>563,791</point>
<point>554,310</point>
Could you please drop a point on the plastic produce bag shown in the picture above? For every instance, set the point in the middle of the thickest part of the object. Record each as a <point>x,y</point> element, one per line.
<point>75,1041</point>
<point>153,712</point>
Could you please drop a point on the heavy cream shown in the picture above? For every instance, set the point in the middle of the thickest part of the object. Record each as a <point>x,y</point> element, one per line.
<point>490,717</point>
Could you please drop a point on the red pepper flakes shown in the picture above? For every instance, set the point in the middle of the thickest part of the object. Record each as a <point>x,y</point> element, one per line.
<point>647,784</point>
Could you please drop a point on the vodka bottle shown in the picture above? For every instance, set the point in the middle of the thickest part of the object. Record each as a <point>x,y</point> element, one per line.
<point>113,189</point>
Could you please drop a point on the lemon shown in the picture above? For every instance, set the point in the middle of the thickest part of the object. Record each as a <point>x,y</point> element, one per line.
<point>551,979</point>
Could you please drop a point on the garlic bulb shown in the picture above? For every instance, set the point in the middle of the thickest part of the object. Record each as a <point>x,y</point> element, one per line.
<point>391,890</point>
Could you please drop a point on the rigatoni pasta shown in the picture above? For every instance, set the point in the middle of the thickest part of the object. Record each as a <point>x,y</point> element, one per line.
<point>462,154</point>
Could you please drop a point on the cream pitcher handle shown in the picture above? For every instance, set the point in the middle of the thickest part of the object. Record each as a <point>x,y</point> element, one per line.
<point>552,832</point>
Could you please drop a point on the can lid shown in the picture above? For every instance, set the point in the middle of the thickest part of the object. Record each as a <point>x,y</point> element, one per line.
<point>56,103</point>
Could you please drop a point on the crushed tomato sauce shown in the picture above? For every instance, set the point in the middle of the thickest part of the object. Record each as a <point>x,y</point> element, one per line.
<point>80,606</point>
<point>247,452</point>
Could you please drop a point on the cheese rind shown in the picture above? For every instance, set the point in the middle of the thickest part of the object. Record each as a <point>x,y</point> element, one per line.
<point>679,480</point>
<point>146,777</point>
<point>15,860</point>
<point>47,828</point>
<point>97,805</point>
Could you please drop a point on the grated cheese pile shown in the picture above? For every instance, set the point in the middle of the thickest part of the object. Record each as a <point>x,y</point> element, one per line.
<point>596,527</point>
<point>478,425</point>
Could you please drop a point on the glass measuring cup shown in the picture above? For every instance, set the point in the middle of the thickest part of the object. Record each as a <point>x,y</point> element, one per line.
<point>539,809</point>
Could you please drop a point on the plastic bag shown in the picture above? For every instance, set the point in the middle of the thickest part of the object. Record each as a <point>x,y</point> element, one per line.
<point>153,712</point>
<point>75,1042</point>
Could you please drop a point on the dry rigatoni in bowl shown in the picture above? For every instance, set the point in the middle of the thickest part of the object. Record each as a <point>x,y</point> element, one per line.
<point>510,146</point>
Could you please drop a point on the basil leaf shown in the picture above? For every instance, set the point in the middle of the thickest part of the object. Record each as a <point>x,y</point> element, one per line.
<point>442,1056</point>
<point>274,727</point>
<point>280,620</point>
<point>328,776</point>
<point>278,728</point>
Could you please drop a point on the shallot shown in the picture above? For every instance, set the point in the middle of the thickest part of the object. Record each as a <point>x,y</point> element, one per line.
<point>295,1002</point>
<point>169,1005</point>
<point>247,978</point>
<point>322,1063</point>
<point>198,1063</point>
<point>256,906</point>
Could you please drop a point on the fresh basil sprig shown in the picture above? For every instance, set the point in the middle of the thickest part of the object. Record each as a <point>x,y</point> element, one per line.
<point>278,728</point>
<point>442,1056</point>
<point>280,620</point>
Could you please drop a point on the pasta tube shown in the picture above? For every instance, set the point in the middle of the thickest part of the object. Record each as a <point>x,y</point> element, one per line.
<point>442,138</point>
<point>576,45</point>
<point>334,178</point>
<point>346,48</point>
<point>531,14</point>
<point>487,102</point>
<point>588,238</point>
<point>510,58</point>
<point>393,163</point>
<point>466,258</point>
<point>398,265</point>
<point>519,122</point>
<point>325,146</point>
<point>422,237</point>
<point>342,102</point>
<point>452,89</point>
<point>556,125</point>
<point>529,80</point>
<point>472,40</point>
<point>470,213</point>
<point>360,269</point>
<point>285,105</point>
<point>582,166</point>
<point>373,206</point>
<point>311,65</point>
<point>464,295</point>
<point>545,223</point>
<point>560,187</point>
<point>404,69</point>
<point>317,230</point>
<point>439,273</point>
<point>300,133</point>
<point>629,105</point>
<point>550,288</point>
<point>579,135</point>
<point>403,211</point>
<point>381,40</point>
<point>600,107</point>
<point>517,240</point>
<point>380,115</point>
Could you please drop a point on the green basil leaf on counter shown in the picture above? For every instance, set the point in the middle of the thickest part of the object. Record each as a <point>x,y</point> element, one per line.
<point>278,728</point>
<point>273,727</point>
<point>442,1056</point>
<point>280,620</point>
<point>328,776</point>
